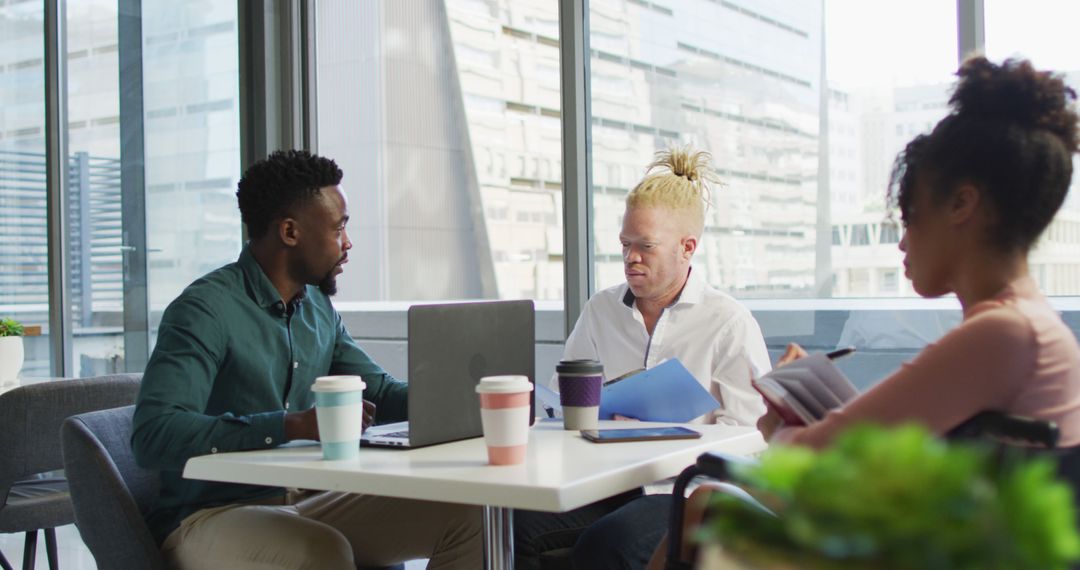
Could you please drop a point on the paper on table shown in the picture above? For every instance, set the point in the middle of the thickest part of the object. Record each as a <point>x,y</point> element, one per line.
<point>664,393</point>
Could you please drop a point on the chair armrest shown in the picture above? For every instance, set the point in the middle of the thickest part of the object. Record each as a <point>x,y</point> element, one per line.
<point>1002,426</point>
<point>718,465</point>
<point>712,464</point>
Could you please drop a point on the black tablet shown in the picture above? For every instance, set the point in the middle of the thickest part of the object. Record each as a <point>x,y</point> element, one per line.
<point>638,434</point>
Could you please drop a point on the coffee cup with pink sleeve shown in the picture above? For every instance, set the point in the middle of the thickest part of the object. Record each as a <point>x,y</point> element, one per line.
<point>504,412</point>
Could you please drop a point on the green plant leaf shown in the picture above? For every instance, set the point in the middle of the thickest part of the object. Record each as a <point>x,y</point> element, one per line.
<point>10,327</point>
<point>902,499</point>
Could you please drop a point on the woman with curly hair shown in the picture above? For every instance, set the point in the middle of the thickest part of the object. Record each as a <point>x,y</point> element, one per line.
<point>974,196</point>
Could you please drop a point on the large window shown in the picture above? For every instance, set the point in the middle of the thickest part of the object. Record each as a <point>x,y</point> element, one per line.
<point>445,118</point>
<point>24,291</point>
<point>94,187</point>
<point>152,160</point>
<point>1016,29</point>
<point>802,131</point>
<point>192,123</point>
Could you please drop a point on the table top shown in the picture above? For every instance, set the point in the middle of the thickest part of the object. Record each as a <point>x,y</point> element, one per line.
<point>562,471</point>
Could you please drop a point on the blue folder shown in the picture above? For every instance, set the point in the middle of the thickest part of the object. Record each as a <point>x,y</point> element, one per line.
<point>664,393</point>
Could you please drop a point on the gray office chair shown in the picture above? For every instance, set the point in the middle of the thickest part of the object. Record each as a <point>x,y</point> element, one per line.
<point>30,418</point>
<point>111,493</point>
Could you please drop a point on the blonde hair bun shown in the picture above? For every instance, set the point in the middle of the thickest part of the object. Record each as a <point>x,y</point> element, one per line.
<point>677,179</point>
<point>686,162</point>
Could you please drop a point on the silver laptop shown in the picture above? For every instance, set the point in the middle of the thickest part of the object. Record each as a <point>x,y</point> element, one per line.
<point>452,346</point>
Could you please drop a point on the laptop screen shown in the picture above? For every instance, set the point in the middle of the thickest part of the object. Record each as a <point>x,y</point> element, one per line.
<point>452,346</point>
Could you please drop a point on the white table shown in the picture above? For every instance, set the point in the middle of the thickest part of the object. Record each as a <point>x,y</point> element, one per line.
<point>561,472</point>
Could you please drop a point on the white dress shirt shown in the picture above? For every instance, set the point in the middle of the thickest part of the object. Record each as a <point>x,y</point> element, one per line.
<point>711,333</point>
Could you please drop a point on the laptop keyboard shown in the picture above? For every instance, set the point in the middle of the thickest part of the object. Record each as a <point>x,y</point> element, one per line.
<point>402,433</point>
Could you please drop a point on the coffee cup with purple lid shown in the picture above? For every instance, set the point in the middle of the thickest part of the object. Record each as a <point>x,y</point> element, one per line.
<point>580,382</point>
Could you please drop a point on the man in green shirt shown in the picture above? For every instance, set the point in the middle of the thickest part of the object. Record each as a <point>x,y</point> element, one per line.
<point>232,370</point>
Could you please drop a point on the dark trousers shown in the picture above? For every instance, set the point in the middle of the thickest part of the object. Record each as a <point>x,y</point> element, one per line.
<point>626,538</point>
<point>544,541</point>
<point>619,532</point>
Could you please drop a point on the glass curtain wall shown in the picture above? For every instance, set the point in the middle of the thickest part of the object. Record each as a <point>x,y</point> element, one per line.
<point>153,155</point>
<point>1017,29</point>
<point>24,293</point>
<point>882,90</point>
<point>192,123</point>
<point>802,119</point>
<point>94,200</point>
<point>445,118</point>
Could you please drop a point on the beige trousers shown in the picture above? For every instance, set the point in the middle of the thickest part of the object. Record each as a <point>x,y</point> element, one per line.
<point>327,530</point>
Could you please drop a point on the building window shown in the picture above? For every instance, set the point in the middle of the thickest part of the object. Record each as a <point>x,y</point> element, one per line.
<point>890,233</point>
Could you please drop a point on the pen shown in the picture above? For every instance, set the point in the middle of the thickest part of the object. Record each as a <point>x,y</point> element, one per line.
<point>840,352</point>
<point>624,376</point>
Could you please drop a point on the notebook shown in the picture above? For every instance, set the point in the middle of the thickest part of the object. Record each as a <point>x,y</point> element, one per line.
<point>804,390</point>
<point>452,346</point>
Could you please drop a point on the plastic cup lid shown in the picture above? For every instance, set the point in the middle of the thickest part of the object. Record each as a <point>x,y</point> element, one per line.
<point>587,366</point>
<point>338,384</point>
<point>504,384</point>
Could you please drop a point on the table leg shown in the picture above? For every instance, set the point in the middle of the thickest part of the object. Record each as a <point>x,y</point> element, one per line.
<point>498,538</point>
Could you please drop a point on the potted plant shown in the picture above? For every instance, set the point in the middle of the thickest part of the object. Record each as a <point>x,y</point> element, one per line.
<point>895,500</point>
<point>11,350</point>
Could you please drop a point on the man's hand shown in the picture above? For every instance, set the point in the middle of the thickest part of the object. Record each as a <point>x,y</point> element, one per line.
<point>305,424</point>
<point>369,414</point>
<point>793,352</point>
<point>302,425</point>
<point>623,418</point>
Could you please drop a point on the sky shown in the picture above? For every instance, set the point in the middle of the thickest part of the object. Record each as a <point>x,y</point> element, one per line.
<point>909,42</point>
<point>1041,30</point>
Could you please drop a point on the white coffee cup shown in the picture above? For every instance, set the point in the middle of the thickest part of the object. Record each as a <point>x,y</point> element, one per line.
<point>504,412</point>
<point>339,407</point>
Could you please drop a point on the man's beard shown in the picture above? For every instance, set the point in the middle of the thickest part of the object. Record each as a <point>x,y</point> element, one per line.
<point>328,284</point>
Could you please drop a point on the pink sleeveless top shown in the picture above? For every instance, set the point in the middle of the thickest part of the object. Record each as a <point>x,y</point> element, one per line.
<point>1012,353</point>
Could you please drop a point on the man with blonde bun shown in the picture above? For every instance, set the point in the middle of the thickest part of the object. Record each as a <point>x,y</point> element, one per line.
<point>664,310</point>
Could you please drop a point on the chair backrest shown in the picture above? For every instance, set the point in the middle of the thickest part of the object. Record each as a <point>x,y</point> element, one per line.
<point>110,491</point>
<point>30,418</point>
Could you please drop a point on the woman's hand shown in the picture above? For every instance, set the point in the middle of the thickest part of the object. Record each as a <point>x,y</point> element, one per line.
<point>770,422</point>
<point>793,352</point>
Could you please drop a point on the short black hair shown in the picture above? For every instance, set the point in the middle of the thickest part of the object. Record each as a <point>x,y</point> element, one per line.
<point>1012,132</point>
<point>272,187</point>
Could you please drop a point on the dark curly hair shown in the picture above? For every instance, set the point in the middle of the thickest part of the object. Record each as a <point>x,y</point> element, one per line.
<point>1012,132</point>
<point>271,188</point>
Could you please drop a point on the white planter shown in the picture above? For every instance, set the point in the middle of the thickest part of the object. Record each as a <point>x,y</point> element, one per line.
<point>11,358</point>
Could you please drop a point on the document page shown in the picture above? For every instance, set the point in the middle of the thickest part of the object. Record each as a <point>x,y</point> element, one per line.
<point>809,386</point>
<point>667,392</point>
<point>830,384</point>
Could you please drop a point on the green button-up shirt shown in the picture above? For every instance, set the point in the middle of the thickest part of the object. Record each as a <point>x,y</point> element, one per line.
<point>230,359</point>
